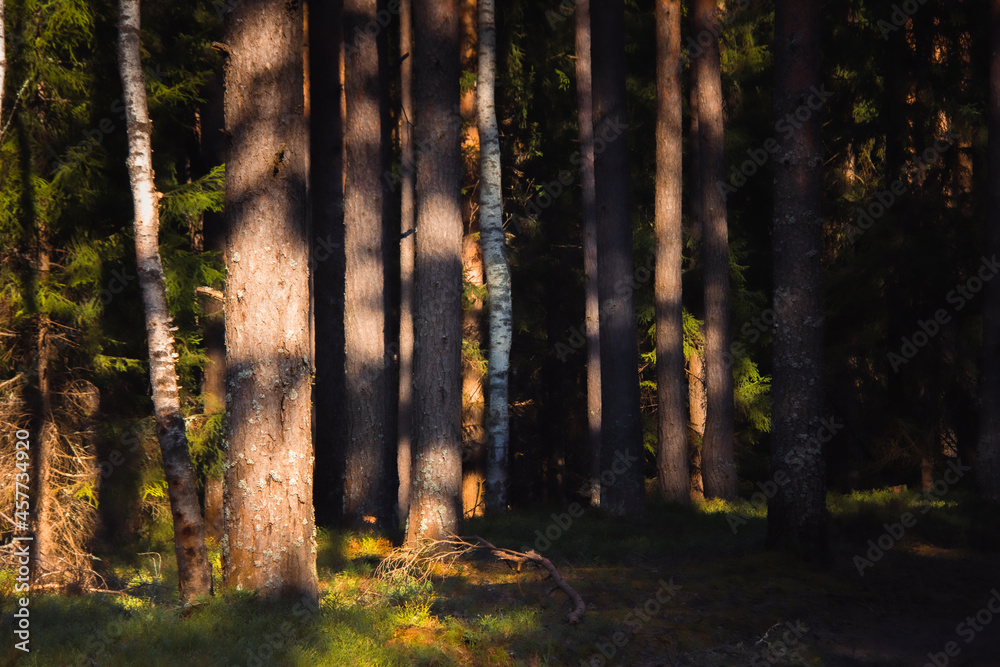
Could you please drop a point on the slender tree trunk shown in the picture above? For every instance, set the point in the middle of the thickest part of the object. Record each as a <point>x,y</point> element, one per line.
<point>407,246</point>
<point>495,258</point>
<point>270,533</point>
<point>672,453</point>
<point>435,502</point>
<point>326,174</point>
<point>621,436</point>
<point>718,469</point>
<point>585,121</point>
<point>696,410</point>
<point>194,570</point>
<point>988,449</point>
<point>796,517</point>
<point>44,545</point>
<point>366,493</point>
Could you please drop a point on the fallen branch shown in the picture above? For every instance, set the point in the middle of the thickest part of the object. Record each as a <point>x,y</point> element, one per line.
<point>419,561</point>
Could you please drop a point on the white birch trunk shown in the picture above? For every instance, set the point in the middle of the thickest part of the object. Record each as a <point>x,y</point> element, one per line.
<point>491,238</point>
<point>194,571</point>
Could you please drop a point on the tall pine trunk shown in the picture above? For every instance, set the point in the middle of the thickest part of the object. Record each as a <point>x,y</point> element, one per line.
<point>718,469</point>
<point>491,236</point>
<point>270,539</point>
<point>621,435</point>
<point>585,122</point>
<point>672,452</point>
<point>407,247</point>
<point>326,194</point>
<point>796,517</point>
<point>366,487</point>
<point>988,449</point>
<point>435,495</point>
<point>193,568</point>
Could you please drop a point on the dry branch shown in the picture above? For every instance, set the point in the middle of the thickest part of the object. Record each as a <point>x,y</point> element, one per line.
<point>419,562</point>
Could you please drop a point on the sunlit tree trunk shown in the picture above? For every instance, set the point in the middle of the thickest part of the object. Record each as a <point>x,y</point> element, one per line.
<point>407,246</point>
<point>796,517</point>
<point>672,452</point>
<point>194,570</point>
<point>270,542</point>
<point>435,494</point>
<point>621,435</point>
<point>585,121</point>
<point>44,545</point>
<point>495,259</point>
<point>988,450</point>
<point>366,492</point>
<point>718,469</point>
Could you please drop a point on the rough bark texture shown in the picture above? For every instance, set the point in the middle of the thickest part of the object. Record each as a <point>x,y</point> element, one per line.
<point>194,570</point>
<point>988,449</point>
<point>621,443</point>
<point>326,189</point>
<point>672,452</point>
<point>435,502</point>
<point>407,247</point>
<point>492,240</point>
<point>366,494</point>
<point>796,517</point>
<point>585,122</point>
<point>718,470</point>
<point>270,536</point>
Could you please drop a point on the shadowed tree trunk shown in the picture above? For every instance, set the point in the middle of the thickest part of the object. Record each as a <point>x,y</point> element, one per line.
<point>270,541</point>
<point>718,470</point>
<point>672,452</point>
<point>988,449</point>
<point>585,121</point>
<point>193,569</point>
<point>495,259</point>
<point>435,493</point>
<point>407,246</point>
<point>621,436</point>
<point>326,190</point>
<point>366,494</point>
<point>796,517</point>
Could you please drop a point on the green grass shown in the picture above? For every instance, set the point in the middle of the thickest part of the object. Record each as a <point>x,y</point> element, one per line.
<point>730,599</point>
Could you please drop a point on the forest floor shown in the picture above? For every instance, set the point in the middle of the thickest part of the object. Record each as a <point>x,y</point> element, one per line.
<point>679,588</point>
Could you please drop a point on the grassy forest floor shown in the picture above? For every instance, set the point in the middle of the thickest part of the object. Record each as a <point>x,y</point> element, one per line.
<point>681,588</point>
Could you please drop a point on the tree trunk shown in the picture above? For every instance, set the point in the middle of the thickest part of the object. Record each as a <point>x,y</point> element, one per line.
<point>988,449</point>
<point>585,121</point>
<point>326,174</point>
<point>796,517</point>
<point>621,435</point>
<point>435,502</point>
<point>270,535</point>
<point>193,568</point>
<point>366,493</point>
<point>718,470</point>
<point>696,409</point>
<point>495,258</point>
<point>672,452</point>
<point>406,250</point>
